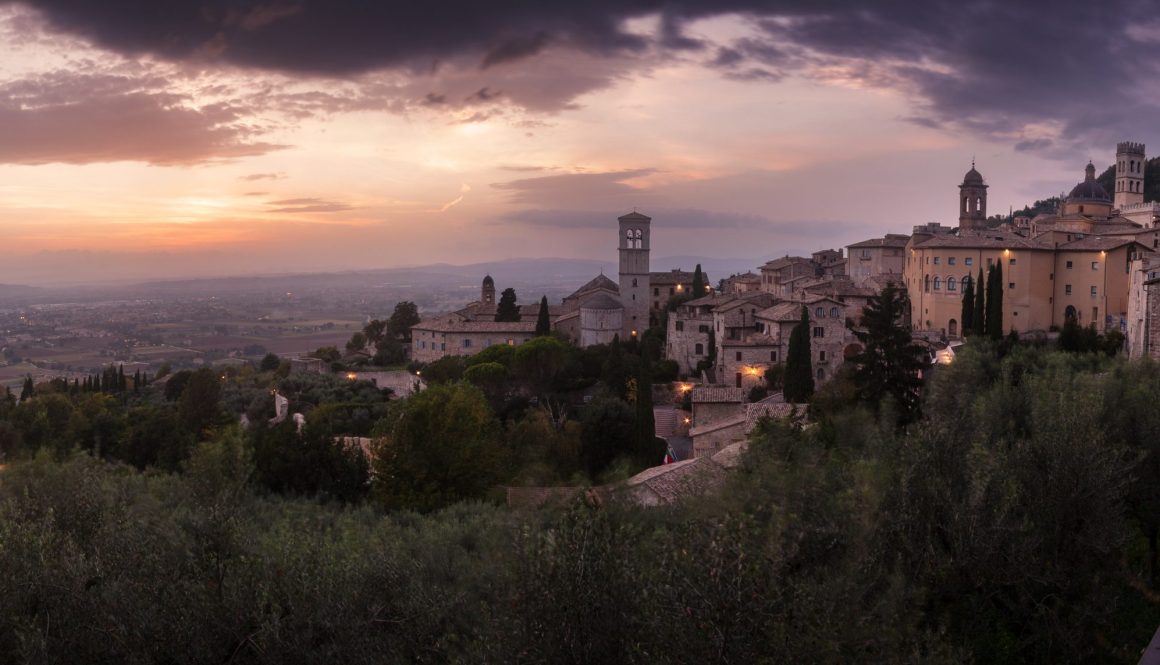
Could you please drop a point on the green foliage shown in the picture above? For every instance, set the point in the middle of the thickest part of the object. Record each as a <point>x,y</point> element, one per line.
<point>698,282</point>
<point>539,362</point>
<point>357,342</point>
<point>994,305</point>
<point>447,369</point>
<point>979,316</point>
<point>200,403</point>
<point>889,363</point>
<point>798,381</point>
<point>543,319</point>
<point>609,430</point>
<point>404,316</point>
<point>967,315</point>
<point>439,447</point>
<point>328,354</point>
<point>508,309</point>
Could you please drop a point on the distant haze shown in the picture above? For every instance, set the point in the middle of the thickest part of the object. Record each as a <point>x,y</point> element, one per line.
<point>242,138</point>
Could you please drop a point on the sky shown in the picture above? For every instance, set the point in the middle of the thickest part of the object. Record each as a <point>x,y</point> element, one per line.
<point>143,140</point>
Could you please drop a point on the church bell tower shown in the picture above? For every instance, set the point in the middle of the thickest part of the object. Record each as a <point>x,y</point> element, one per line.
<point>1129,174</point>
<point>634,273</point>
<point>972,201</point>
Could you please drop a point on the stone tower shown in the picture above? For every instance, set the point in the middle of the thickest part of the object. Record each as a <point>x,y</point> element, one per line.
<point>634,268</point>
<point>1129,174</point>
<point>972,201</point>
<point>487,292</point>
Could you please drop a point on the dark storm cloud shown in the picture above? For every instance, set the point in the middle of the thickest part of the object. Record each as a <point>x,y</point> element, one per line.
<point>990,68</point>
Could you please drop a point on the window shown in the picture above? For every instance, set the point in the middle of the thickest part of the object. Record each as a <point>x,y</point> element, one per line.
<point>950,260</point>
<point>738,356</point>
<point>821,373</point>
<point>656,291</point>
<point>821,356</point>
<point>467,344</point>
<point>773,356</point>
<point>1069,265</point>
<point>511,342</point>
<point>1010,285</point>
<point>422,345</point>
<point>1011,262</point>
<point>1095,265</point>
<point>819,331</point>
<point>820,312</point>
<point>833,312</point>
<point>702,329</point>
<point>950,283</point>
<point>969,261</point>
<point>738,379</point>
<point>990,263</point>
<point>1093,290</point>
<point>443,346</point>
<point>937,283</point>
<point>699,349</point>
<point>936,260</point>
<point>656,304</point>
<point>926,283</point>
<point>634,283</point>
<point>680,326</point>
<point>1095,314</point>
<point>1067,289</point>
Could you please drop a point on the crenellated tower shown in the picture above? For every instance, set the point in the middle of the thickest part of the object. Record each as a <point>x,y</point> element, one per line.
<point>1129,174</point>
<point>634,273</point>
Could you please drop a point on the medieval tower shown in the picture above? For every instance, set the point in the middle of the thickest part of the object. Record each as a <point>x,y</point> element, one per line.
<point>487,291</point>
<point>1129,175</point>
<point>634,273</point>
<point>972,201</point>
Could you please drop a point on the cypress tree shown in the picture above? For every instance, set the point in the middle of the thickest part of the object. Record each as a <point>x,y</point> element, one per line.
<point>137,381</point>
<point>27,390</point>
<point>978,319</point>
<point>543,319</point>
<point>798,385</point>
<point>967,317</point>
<point>121,383</point>
<point>995,301</point>
<point>698,282</point>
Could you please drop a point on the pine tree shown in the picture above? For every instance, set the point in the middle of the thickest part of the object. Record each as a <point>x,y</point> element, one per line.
<point>799,369</point>
<point>995,301</point>
<point>698,282</point>
<point>507,310</point>
<point>979,318</point>
<point>967,317</point>
<point>543,319</point>
<point>890,360</point>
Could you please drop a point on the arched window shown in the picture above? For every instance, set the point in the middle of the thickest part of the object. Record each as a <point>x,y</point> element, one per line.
<point>634,281</point>
<point>950,283</point>
<point>833,312</point>
<point>937,283</point>
<point>820,312</point>
<point>979,204</point>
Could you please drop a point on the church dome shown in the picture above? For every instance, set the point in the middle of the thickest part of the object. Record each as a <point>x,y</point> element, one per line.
<point>1090,189</point>
<point>973,177</point>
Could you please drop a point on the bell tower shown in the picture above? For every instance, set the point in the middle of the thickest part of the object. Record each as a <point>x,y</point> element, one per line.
<point>487,291</point>
<point>972,201</point>
<point>634,273</point>
<point>1129,174</point>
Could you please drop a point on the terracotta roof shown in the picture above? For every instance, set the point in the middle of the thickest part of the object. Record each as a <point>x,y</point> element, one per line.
<point>717,394</point>
<point>1093,243</point>
<point>752,298</point>
<point>751,340</point>
<point>452,323</point>
<point>784,262</point>
<point>890,240</point>
<point>737,421</point>
<point>786,311</point>
<point>598,282</point>
<point>672,277</point>
<point>989,241</point>
<point>669,483</point>
<point>601,301</point>
<point>773,406</point>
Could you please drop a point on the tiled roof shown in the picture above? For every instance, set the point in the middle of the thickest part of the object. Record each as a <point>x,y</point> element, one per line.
<point>452,323</point>
<point>773,406</point>
<point>672,277</point>
<point>750,341</point>
<point>718,394</point>
<point>890,240</point>
<point>601,301</point>
<point>1094,243</point>
<point>671,482</point>
<point>786,311</point>
<point>784,262</point>
<point>737,421</point>
<point>598,282</point>
<point>989,241</point>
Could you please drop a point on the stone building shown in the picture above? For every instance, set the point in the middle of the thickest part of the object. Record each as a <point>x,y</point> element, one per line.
<point>885,256</point>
